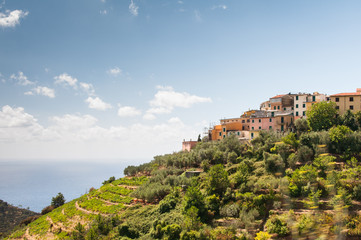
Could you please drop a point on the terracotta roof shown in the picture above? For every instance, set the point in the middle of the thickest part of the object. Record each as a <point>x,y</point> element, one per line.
<point>278,96</point>
<point>346,94</point>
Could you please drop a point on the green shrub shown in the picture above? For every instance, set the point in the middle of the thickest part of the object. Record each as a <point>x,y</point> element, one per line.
<point>277,224</point>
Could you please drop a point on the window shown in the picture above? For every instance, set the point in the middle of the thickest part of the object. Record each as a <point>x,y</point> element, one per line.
<point>270,127</point>
<point>259,120</point>
<point>351,107</point>
<point>296,113</point>
<point>252,120</point>
<point>242,127</point>
<point>282,128</point>
<point>303,105</point>
<point>296,98</point>
<point>252,128</point>
<point>272,114</point>
<point>303,113</point>
<point>337,107</point>
<point>337,99</point>
<point>296,105</point>
<point>284,109</point>
<point>243,121</point>
<point>313,98</point>
<point>269,105</point>
<point>282,119</point>
<point>224,129</point>
<point>248,120</point>
<point>220,134</point>
<point>224,136</point>
<point>270,120</point>
<point>351,99</point>
<point>259,127</point>
<point>252,135</point>
<point>274,107</point>
<point>238,133</point>
<point>278,107</point>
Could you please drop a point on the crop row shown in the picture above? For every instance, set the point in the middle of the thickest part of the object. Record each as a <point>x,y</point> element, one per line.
<point>100,207</point>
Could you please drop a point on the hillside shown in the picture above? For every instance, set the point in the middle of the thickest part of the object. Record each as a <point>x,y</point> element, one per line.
<point>11,216</point>
<point>281,185</point>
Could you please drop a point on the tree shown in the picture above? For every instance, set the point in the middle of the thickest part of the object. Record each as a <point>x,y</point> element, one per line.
<point>301,125</point>
<point>339,137</point>
<point>322,116</point>
<point>349,119</point>
<point>217,181</point>
<point>199,138</point>
<point>58,201</point>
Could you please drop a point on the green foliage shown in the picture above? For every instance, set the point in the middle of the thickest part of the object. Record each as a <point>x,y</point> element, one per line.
<point>278,224</point>
<point>152,192</point>
<point>291,140</point>
<point>324,163</point>
<point>128,231</point>
<point>348,119</point>
<point>58,200</point>
<point>194,198</point>
<point>230,210</point>
<point>273,163</point>
<point>339,138</point>
<point>304,154</point>
<point>322,116</point>
<point>301,177</point>
<point>301,125</point>
<point>217,180</point>
<point>110,180</point>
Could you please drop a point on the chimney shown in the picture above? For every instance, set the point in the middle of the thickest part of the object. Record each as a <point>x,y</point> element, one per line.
<point>358,89</point>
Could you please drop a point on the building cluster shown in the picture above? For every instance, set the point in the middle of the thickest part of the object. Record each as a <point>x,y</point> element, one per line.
<point>278,114</point>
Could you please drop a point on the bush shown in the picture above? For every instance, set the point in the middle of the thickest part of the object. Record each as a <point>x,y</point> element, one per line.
<point>273,163</point>
<point>230,210</point>
<point>277,224</point>
<point>47,209</point>
<point>110,180</point>
<point>262,236</point>
<point>304,154</point>
<point>217,180</point>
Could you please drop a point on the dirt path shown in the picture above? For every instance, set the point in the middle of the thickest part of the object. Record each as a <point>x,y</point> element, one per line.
<point>127,186</point>
<point>28,236</point>
<point>88,211</point>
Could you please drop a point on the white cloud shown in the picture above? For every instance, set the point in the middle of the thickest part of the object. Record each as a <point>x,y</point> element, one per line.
<point>66,79</point>
<point>43,91</point>
<point>133,9</point>
<point>149,116</point>
<point>103,12</point>
<point>21,79</point>
<point>87,87</point>
<point>15,117</point>
<point>166,99</point>
<point>128,111</point>
<point>97,103</point>
<point>11,18</point>
<point>222,6</point>
<point>72,136</point>
<point>114,71</point>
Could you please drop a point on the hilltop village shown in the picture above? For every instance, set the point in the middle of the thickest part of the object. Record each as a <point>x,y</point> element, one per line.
<point>278,114</point>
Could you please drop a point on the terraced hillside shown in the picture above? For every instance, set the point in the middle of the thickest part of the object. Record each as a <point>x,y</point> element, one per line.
<point>109,200</point>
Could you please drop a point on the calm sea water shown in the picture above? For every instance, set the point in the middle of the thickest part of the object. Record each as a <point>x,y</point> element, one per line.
<point>32,184</point>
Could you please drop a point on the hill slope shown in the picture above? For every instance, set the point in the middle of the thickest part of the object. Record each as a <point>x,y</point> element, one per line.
<point>282,185</point>
<point>11,216</point>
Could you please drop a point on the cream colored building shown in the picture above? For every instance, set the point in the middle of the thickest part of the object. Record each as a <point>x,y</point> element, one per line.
<point>347,101</point>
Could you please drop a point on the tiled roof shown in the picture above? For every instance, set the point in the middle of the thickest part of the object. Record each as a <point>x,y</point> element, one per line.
<point>278,96</point>
<point>346,94</point>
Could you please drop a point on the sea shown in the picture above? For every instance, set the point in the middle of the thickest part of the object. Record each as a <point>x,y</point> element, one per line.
<point>31,184</point>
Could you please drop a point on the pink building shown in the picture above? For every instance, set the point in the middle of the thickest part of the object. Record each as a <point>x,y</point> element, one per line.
<point>262,123</point>
<point>188,145</point>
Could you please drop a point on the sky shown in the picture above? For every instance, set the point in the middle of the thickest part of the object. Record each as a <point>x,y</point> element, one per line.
<point>130,79</point>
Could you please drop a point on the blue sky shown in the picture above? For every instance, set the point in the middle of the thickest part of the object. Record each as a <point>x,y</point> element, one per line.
<point>131,79</point>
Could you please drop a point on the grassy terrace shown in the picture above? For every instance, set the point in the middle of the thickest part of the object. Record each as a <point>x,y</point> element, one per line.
<point>134,181</point>
<point>96,205</point>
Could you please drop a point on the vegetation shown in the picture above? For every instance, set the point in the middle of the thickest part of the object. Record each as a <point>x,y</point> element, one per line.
<point>303,185</point>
